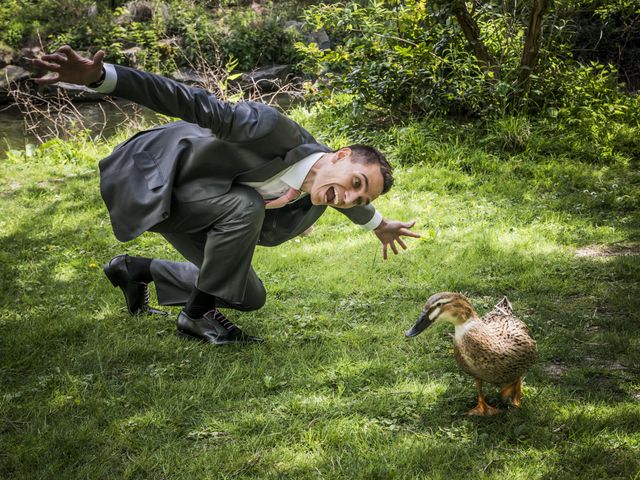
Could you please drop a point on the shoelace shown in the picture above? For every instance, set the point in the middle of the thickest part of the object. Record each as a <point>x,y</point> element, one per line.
<point>224,321</point>
<point>146,294</point>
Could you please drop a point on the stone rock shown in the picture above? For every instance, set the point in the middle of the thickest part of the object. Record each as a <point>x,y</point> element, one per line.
<point>132,55</point>
<point>188,76</point>
<point>142,11</point>
<point>74,92</point>
<point>169,43</point>
<point>6,55</point>
<point>12,74</point>
<point>266,78</point>
<point>319,37</point>
<point>26,55</point>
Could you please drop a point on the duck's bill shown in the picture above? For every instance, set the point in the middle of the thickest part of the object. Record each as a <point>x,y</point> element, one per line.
<point>423,322</point>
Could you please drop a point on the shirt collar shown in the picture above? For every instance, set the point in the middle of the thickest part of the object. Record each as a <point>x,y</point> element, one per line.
<point>295,175</point>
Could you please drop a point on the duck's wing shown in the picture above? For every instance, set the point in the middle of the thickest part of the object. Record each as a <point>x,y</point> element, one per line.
<point>504,306</point>
<point>502,314</point>
<point>495,352</point>
<point>501,310</point>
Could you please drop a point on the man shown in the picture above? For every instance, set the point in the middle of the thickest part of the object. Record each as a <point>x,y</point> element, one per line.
<point>216,184</point>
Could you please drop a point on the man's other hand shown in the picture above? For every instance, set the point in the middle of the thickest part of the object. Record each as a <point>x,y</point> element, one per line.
<point>65,65</point>
<point>390,231</point>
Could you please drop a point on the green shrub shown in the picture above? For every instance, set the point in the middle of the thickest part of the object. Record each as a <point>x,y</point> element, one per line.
<point>406,58</point>
<point>257,40</point>
<point>509,134</point>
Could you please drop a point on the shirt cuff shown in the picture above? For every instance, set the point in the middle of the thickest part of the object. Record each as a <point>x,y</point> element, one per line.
<point>375,221</point>
<point>110,79</point>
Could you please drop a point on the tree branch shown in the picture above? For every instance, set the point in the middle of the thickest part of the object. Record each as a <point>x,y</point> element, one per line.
<point>531,47</point>
<point>472,34</point>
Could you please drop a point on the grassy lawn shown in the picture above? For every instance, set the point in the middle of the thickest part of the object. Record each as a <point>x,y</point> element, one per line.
<point>336,391</point>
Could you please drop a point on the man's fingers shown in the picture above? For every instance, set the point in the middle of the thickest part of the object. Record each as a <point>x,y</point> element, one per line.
<point>69,52</point>
<point>393,247</point>
<point>55,57</point>
<point>97,58</point>
<point>409,233</point>
<point>48,65</point>
<point>402,244</point>
<point>384,251</point>
<point>47,80</point>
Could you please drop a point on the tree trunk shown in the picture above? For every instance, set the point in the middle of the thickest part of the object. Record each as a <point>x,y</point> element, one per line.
<point>472,34</point>
<point>531,49</point>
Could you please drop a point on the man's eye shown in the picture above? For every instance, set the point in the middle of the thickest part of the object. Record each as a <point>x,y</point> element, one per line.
<point>356,182</point>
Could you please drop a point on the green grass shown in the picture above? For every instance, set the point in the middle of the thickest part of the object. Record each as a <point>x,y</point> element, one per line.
<point>335,391</point>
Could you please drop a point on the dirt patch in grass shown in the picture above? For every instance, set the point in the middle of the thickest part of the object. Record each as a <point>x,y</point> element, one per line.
<point>598,251</point>
<point>555,369</point>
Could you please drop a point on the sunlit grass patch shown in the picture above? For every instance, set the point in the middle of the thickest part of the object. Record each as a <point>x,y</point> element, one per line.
<point>336,391</point>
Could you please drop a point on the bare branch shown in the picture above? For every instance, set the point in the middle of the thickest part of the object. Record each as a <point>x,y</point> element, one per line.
<point>531,48</point>
<point>472,34</point>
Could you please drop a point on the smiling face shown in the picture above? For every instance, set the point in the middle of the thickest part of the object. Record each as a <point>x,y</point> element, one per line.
<point>340,182</point>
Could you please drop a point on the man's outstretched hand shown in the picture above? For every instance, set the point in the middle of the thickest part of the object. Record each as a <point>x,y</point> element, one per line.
<point>390,231</point>
<point>65,65</point>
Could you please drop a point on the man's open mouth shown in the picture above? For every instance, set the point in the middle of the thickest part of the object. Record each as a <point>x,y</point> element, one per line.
<point>331,195</point>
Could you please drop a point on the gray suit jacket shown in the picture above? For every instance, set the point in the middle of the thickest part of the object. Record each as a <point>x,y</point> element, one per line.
<point>216,144</point>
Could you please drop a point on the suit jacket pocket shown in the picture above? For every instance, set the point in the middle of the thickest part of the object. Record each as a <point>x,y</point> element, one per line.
<point>148,166</point>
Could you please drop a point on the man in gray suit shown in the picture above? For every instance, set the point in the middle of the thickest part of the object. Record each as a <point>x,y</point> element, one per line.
<point>216,184</point>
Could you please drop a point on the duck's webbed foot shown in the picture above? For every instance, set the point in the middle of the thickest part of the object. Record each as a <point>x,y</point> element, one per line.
<point>513,392</point>
<point>482,409</point>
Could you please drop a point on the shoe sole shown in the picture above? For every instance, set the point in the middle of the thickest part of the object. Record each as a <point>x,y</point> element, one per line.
<point>193,338</point>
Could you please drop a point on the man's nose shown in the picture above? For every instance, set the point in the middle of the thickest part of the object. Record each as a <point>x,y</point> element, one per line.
<point>348,197</point>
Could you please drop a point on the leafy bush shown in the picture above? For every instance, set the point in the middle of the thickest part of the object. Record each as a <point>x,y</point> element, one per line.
<point>180,32</point>
<point>411,57</point>
<point>26,22</point>
<point>257,39</point>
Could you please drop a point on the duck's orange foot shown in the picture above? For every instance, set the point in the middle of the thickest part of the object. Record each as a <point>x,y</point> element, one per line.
<point>483,409</point>
<point>513,392</point>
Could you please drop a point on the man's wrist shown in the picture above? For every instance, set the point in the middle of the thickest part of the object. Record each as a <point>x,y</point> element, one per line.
<point>110,80</point>
<point>100,80</point>
<point>374,223</point>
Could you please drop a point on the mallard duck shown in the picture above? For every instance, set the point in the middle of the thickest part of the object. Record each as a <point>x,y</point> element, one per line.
<point>497,348</point>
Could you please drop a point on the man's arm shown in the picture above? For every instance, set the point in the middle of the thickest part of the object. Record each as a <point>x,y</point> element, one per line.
<point>241,122</point>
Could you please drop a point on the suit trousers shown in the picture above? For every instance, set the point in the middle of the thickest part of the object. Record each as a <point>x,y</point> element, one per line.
<point>218,237</point>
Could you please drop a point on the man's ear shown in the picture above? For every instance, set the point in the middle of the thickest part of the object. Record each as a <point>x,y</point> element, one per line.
<point>341,154</point>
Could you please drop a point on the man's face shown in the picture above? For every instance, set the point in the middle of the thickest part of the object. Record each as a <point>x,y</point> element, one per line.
<point>345,184</point>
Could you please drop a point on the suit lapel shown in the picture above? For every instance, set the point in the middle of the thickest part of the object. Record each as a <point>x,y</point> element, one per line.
<point>271,168</point>
<point>263,172</point>
<point>301,151</point>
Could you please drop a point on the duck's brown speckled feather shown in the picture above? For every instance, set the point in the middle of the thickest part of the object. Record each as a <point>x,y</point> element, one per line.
<point>498,348</point>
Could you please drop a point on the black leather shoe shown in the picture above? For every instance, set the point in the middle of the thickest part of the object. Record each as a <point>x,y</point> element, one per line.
<point>136,294</point>
<point>213,328</point>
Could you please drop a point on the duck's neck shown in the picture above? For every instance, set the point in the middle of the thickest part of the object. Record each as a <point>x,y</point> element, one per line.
<point>463,327</point>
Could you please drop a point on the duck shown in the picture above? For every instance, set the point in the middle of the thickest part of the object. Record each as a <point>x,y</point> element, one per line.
<point>497,348</point>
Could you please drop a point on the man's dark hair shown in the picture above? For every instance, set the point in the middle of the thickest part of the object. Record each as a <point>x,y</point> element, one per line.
<point>366,155</point>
